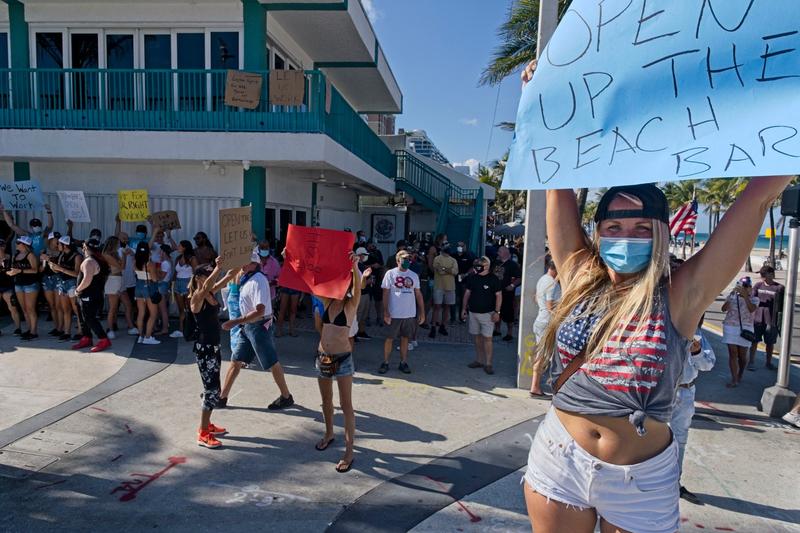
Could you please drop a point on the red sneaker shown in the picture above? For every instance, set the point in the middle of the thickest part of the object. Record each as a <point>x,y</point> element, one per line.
<point>216,430</point>
<point>204,438</point>
<point>85,342</point>
<point>102,345</point>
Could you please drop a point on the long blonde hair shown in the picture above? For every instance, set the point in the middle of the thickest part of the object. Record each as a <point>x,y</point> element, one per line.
<point>617,306</point>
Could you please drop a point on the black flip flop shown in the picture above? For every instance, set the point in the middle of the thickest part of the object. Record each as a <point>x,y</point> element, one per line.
<point>347,468</point>
<point>538,395</point>
<point>325,447</point>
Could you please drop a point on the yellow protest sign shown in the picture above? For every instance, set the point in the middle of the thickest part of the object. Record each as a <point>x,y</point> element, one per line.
<point>133,205</point>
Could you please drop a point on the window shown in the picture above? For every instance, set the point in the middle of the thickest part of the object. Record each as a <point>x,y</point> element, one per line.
<point>269,226</point>
<point>300,218</point>
<point>4,90</point>
<point>158,85</point>
<point>224,55</point>
<point>50,85</point>
<point>191,85</point>
<point>119,55</point>
<point>279,62</point>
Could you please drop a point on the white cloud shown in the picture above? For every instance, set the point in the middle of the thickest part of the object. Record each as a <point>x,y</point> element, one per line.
<point>372,12</point>
<point>469,121</point>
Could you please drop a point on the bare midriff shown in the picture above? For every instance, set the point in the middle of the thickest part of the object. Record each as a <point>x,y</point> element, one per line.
<point>334,340</point>
<point>614,439</point>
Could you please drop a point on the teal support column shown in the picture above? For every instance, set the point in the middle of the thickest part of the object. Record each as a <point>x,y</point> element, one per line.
<point>255,194</point>
<point>20,81</point>
<point>254,188</point>
<point>314,221</point>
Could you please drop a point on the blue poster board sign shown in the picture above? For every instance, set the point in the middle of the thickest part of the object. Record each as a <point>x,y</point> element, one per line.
<point>21,195</point>
<point>634,91</point>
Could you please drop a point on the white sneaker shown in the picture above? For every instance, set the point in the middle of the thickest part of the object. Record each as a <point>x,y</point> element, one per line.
<point>151,340</point>
<point>414,344</point>
<point>111,335</point>
<point>133,331</point>
<point>792,418</point>
<point>176,335</point>
<point>140,340</point>
<point>410,346</point>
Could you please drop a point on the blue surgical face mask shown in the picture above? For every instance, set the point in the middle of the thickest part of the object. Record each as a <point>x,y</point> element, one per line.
<point>626,255</point>
<point>36,229</point>
<point>263,253</point>
<point>140,235</point>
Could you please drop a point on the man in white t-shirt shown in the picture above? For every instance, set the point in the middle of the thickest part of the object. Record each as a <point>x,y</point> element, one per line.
<point>402,300</point>
<point>256,337</point>
<point>548,293</point>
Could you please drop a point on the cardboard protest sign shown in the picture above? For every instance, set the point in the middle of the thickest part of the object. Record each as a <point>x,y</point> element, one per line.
<point>22,195</point>
<point>317,261</point>
<point>134,205</point>
<point>73,203</point>
<point>166,220</point>
<point>243,89</point>
<point>287,87</point>
<point>235,236</point>
<point>634,91</point>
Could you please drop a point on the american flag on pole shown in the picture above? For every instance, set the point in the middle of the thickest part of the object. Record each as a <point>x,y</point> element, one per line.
<point>684,220</point>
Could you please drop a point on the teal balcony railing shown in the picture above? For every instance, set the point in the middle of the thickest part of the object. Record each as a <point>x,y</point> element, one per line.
<point>177,100</point>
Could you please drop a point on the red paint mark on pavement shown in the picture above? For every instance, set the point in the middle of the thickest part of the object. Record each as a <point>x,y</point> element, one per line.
<point>128,428</point>
<point>699,526</point>
<point>684,519</point>
<point>724,529</point>
<point>115,458</point>
<point>51,484</point>
<point>745,421</point>
<point>98,409</point>
<point>472,517</point>
<point>132,488</point>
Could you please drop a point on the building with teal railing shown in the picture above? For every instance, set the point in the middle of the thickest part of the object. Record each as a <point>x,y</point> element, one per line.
<point>108,95</point>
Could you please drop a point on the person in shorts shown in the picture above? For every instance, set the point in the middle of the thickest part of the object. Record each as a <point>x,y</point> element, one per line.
<point>482,300</point>
<point>445,270</point>
<point>765,318</point>
<point>738,309</point>
<point>256,338</point>
<point>511,276</point>
<point>402,308</point>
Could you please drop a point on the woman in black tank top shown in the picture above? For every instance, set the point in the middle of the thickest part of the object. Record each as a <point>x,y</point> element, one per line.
<point>91,282</point>
<point>204,306</point>
<point>7,286</point>
<point>25,270</point>
<point>67,267</point>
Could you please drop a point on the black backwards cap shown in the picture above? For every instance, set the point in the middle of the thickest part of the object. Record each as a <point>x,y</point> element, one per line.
<point>654,203</point>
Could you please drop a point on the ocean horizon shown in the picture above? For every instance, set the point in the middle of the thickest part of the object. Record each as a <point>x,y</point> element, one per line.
<point>762,242</point>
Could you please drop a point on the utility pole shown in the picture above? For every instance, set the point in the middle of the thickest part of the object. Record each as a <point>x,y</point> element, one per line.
<point>535,233</point>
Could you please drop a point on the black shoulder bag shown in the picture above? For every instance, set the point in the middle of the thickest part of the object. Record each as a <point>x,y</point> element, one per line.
<point>746,334</point>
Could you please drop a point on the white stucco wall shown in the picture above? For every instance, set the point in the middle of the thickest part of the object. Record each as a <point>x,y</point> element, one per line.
<point>288,187</point>
<point>6,171</point>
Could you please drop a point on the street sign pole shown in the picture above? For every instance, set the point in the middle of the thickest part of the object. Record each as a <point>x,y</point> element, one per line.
<point>535,233</point>
<point>778,399</point>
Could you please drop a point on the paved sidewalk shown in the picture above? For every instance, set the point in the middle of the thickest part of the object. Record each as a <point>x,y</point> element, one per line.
<point>438,450</point>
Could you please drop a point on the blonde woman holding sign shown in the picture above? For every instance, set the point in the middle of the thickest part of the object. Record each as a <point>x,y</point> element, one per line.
<point>618,341</point>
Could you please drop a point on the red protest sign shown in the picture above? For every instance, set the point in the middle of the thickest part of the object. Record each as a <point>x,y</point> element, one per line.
<point>317,261</point>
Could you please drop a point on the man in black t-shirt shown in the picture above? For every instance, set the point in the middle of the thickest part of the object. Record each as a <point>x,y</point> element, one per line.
<point>510,276</point>
<point>375,262</point>
<point>482,299</point>
<point>465,259</point>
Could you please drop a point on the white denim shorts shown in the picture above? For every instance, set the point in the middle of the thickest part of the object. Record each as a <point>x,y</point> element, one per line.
<point>642,497</point>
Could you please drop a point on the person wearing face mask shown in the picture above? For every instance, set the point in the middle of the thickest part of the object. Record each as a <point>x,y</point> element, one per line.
<point>482,300</point>
<point>368,281</point>
<point>465,260</point>
<point>25,271</point>
<point>270,266</point>
<point>128,292</point>
<point>510,275</point>
<point>361,239</point>
<point>616,345</point>
<point>403,306</point>
<point>37,233</point>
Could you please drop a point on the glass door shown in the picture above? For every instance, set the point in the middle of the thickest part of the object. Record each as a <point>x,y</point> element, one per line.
<point>158,92</point>
<point>85,54</point>
<point>224,55</point>
<point>191,85</point>
<point>50,85</point>
<point>5,96</point>
<point>119,62</point>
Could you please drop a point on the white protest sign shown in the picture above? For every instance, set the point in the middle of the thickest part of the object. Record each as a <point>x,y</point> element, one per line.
<point>73,203</point>
<point>22,195</point>
<point>633,91</point>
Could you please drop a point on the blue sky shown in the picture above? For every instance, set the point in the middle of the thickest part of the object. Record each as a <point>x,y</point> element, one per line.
<point>437,50</point>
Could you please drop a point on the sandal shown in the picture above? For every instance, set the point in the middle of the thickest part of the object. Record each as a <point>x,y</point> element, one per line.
<point>344,469</point>
<point>488,369</point>
<point>322,445</point>
<point>538,395</point>
<point>731,385</point>
<point>475,364</point>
